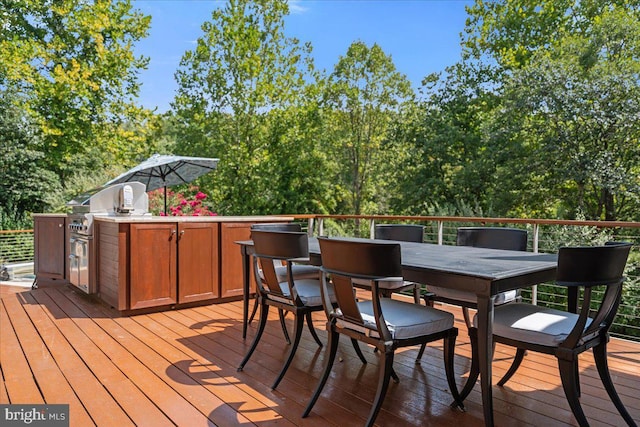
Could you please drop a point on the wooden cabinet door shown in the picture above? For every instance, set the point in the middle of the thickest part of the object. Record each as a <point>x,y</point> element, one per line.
<point>153,265</point>
<point>198,261</point>
<point>231,259</point>
<point>50,243</point>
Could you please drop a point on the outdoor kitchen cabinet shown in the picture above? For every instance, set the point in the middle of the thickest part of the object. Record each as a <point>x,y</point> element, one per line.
<point>172,263</point>
<point>157,264</point>
<point>50,247</point>
<point>145,263</point>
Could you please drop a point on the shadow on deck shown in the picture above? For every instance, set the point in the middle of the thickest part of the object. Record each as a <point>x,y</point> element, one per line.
<point>179,368</point>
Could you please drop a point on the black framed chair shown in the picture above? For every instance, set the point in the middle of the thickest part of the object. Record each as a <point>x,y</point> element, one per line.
<point>480,237</point>
<point>402,233</point>
<point>384,323</point>
<point>566,334</point>
<point>512,239</point>
<point>300,271</point>
<point>298,296</point>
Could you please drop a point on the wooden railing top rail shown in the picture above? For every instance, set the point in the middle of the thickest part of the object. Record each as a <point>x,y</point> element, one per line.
<point>481,220</point>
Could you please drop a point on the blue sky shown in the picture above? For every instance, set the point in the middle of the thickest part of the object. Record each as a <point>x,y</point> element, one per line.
<point>422,36</point>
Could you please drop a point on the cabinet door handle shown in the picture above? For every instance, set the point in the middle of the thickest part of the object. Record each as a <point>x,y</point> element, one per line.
<point>172,234</point>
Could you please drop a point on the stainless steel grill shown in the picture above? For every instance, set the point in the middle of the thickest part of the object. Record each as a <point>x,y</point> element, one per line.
<point>125,199</point>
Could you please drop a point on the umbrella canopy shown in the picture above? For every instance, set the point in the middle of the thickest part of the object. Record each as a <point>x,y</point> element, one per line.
<point>162,171</point>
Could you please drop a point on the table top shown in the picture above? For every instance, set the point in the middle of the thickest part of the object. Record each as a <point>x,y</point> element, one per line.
<point>480,270</point>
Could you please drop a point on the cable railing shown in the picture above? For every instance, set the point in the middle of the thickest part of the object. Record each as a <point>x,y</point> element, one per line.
<point>16,246</point>
<point>545,236</point>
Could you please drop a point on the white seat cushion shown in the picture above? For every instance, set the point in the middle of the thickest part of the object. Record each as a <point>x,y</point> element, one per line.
<point>469,297</point>
<point>532,323</point>
<point>309,291</point>
<point>300,271</point>
<point>388,285</point>
<point>404,319</point>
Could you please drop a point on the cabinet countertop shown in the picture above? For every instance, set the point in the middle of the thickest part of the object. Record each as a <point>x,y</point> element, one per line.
<point>173,219</point>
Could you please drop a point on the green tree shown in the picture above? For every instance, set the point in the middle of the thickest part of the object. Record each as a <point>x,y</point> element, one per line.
<point>24,184</point>
<point>365,94</point>
<point>575,107</point>
<point>242,70</point>
<point>72,63</point>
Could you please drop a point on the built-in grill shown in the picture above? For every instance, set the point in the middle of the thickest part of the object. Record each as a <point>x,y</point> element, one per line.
<point>125,199</point>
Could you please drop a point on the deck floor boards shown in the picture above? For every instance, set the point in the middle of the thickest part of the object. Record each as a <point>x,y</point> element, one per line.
<point>179,368</point>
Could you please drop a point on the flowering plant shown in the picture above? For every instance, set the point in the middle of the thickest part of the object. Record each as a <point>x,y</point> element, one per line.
<point>188,203</point>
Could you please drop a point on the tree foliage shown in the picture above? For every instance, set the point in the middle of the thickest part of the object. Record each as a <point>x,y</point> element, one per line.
<point>242,71</point>
<point>72,64</point>
<point>24,184</point>
<point>365,95</point>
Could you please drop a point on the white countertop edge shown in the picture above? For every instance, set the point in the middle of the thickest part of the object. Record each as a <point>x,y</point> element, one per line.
<point>215,218</point>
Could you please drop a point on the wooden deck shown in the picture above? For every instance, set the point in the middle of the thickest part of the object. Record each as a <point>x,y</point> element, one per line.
<point>179,368</point>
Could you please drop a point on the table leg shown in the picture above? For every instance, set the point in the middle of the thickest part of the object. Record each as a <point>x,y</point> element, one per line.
<point>485,353</point>
<point>246,273</point>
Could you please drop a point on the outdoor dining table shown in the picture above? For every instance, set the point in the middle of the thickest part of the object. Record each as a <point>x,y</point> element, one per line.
<point>485,272</point>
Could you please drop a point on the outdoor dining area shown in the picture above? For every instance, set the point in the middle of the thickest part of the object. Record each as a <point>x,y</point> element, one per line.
<point>384,331</point>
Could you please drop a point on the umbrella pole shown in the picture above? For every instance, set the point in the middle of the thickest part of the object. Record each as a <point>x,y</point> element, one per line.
<point>165,200</point>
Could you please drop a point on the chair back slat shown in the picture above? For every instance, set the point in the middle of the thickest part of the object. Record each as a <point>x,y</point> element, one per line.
<point>270,246</point>
<point>284,245</point>
<point>512,239</point>
<point>366,260</point>
<point>592,265</point>
<point>400,232</point>
<point>277,226</point>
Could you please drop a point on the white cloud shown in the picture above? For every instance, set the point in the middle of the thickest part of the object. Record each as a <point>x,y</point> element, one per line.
<point>296,8</point>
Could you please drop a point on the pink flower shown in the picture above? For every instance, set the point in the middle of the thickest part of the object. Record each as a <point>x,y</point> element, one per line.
<point>183,202</point>
<point>201,196</point>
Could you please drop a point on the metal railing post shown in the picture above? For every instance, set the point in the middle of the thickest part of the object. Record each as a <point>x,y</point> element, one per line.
<point>440,232</point>
<point>321,227</point>
<point>534,288</point>
<point>310,225</point>
<point>372,228</point>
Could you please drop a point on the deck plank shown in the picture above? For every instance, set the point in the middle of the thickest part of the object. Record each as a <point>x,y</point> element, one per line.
<point>119,344</point>
<point>50,380</point>
<point>134,403</point>
<point>19,385</point>
<point>179,367</point>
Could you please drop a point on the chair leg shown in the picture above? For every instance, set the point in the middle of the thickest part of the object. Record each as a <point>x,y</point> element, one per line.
<point>517,360</point>
<point>264,312</point>
<point>474,372</point>
<point>312,329</point>
<point>385,373</point>
<point>421,352</point>
<point>356,347</point>
<point>467,317</point>
<point>284,326</point>
<point>417,293</point>
<point>297,333</point>
<point>569,384</point>
<point>449,352</point>
<point>600,356</point>
<point>253,312</point>
<point>331,357</point>
<point>395,376</point>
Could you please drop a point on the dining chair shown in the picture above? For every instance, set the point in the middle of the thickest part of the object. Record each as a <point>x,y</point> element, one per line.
<point>296,295</point>
<point>402,233</point>
<point>385,323</point>
<point>300,271</point>
<point>512,239</point>
<point>596,272</point>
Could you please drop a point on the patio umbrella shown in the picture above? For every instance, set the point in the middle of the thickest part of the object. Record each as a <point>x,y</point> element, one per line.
<point>162,171</point>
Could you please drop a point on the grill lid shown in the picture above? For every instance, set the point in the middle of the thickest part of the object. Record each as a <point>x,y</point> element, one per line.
<point>109,199</point>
